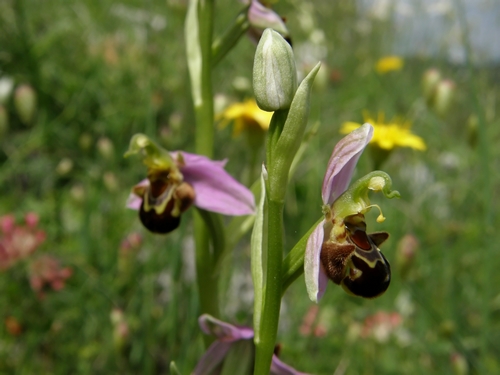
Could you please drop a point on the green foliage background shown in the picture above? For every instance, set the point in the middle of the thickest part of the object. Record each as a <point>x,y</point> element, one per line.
<point>106,70</point>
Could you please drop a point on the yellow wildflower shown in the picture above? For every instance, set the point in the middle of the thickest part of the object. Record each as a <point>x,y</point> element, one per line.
<point>395,133</point>
<point>246,115</point>
<point>389,63</point>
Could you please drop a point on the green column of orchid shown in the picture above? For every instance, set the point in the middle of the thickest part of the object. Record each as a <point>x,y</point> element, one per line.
<point>275,87</point>
<point>198,32</point>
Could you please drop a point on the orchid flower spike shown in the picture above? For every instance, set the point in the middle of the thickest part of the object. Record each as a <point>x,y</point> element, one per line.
<point>233,351</point>
<point>176,180</point>
<point>339,247</point>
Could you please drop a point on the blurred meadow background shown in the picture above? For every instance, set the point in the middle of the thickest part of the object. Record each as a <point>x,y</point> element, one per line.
<point>85,289</point>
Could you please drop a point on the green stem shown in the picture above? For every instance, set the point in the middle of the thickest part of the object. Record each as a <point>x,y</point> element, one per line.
<point>208,285</point>
<point>272,293</point>
<point>204,110</point>
<point>199,27</point>
<point>224,43</point>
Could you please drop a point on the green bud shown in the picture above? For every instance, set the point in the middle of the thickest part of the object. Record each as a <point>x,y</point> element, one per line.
<point>274,72</point>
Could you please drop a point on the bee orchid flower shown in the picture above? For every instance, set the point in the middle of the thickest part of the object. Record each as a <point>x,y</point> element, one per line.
<point>233,351</point>
<point>339,247</point>
<point>176,180</point>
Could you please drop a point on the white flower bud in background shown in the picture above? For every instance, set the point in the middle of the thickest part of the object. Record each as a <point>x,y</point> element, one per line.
<point>459,364</point>
<point>6,86</point>
<point>106,148</point>
<point>64,167</point>
<point>77,192</point>
<point>274,72</point>
<point>430,79</point>
<point>121,331</point>
<point>25,103</point>
<point>110,181</point>
<point>444,96</point>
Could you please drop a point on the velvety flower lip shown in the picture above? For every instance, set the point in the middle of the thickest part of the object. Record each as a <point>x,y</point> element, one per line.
<point>338,174</point>
<point>226,335</point>
<point>215,189</point>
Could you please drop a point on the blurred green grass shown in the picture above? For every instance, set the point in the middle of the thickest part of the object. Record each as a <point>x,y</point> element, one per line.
<point>106,70</point>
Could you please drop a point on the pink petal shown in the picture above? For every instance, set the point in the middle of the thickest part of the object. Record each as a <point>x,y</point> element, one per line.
<point>212,358</point>
<point>280,368</point>
<point>341,165</point>
<point>215,189</point>
<point>133,201</point>
<point>263,18</point>
<point>315,277</point>
<point>223,331</point>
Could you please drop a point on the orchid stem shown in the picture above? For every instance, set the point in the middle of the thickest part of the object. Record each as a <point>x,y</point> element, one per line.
<point>204,110</point>
<point>199,30</point>
<point>272,293</point>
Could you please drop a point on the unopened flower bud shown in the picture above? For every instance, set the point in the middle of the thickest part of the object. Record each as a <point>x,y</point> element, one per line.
<point>105,147</point>
<point>64,167</point>
<point>77,192</point>
<point>261,17</point>
<point>430,79</point>
<point>110,181</point>
<point>444,95</point>
<point>6,85</point>
<point>274,72</point>
<point>121,330</point>
<point>25,103</point>
<point>459,364</point>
